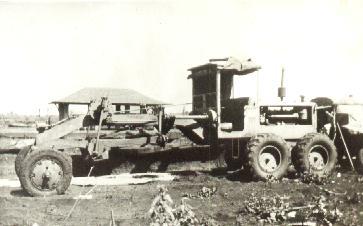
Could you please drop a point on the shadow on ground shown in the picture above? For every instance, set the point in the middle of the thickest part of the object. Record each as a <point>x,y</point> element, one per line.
<point>19,193</point>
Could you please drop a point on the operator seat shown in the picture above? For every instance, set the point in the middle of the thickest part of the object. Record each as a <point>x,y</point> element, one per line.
<point>233,112</point>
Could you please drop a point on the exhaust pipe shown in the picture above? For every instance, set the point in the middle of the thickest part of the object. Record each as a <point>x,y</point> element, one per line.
<point>282,89</point>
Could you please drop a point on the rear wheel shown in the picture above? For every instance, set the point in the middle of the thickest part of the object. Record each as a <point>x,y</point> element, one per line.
<point>268,156</point>
<point>46,172</point>
<point>315,153</point>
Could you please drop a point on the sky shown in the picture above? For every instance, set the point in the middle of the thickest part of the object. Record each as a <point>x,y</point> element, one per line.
<point>49,50</point>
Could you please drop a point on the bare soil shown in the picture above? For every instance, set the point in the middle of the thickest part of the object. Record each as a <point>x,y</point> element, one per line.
<point>130,203</point>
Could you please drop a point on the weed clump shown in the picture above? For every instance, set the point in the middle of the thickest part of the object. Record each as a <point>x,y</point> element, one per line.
<point>162,212</point>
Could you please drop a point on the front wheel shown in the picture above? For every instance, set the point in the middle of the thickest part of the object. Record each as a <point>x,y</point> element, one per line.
<point>315,153</point>
<point>46,172</point>
<point>268,156</point>
<point>20,158</point>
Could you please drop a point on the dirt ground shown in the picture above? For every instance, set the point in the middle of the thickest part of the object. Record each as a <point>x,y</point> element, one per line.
<point>236,201</point>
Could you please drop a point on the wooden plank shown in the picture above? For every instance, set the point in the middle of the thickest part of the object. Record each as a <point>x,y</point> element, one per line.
<point>63,144</point>
<point>133,119</point>
<point>18,132</point>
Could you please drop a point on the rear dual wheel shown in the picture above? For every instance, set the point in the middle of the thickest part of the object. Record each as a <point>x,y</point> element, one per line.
<point>268,156</point>
<point>316,154</point>
<point>46,172</point>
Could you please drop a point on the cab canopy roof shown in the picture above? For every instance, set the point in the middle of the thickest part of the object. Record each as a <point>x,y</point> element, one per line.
<point>326,101</point>
<point>115,96</point>
<point>230,65</point>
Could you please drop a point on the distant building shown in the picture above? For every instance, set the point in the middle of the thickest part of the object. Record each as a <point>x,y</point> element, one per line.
<point>122,99</point>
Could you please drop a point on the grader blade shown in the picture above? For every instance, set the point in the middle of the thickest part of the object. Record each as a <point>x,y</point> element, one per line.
<point>60,130</point>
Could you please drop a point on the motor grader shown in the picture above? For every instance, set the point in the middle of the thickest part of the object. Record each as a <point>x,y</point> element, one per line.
<point>261,137</point>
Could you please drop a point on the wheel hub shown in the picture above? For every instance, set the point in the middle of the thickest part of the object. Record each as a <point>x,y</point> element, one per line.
<point>269,159</point>
<point>318,157</point>
<point>46,174</point>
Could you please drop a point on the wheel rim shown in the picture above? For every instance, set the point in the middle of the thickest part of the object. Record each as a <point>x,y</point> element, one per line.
<point>46,174</point>
<point>269,158</point>
<point>318,157</point>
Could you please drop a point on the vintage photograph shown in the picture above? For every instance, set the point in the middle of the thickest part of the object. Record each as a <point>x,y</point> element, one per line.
<point>181,113</point>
